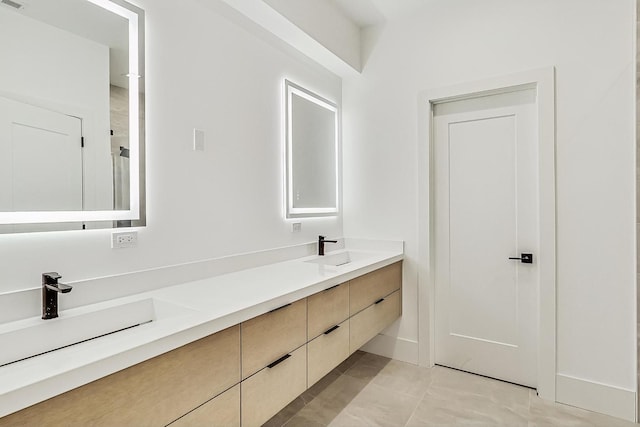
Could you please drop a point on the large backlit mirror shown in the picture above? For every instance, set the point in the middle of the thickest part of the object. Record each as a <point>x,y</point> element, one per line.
<point>312,139</point>
<point>71,115</point>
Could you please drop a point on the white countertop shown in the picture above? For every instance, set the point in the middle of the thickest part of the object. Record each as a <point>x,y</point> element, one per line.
<point>210,305</point>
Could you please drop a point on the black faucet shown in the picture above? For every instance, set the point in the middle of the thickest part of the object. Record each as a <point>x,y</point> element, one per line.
<point>50,290</point>
<point>321,242</point>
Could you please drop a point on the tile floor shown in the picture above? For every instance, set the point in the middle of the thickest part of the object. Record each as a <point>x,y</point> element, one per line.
<point>369,390</point>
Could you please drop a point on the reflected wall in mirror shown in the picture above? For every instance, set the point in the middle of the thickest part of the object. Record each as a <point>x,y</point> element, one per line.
<point>312,153</point>
<point>71,115</point>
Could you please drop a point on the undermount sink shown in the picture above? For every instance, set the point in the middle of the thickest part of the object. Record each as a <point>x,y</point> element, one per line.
<point>340,258</point>
<point>32,337</point>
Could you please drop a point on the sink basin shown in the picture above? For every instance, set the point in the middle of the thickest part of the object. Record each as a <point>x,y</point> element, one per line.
<point>31,337</point>
<point>340,258</point>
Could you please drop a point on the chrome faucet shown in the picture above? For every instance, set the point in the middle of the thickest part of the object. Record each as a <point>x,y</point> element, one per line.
<point>50,290</point>
<point>321,242</point>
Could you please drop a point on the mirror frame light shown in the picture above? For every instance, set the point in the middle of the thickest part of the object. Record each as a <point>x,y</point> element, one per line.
<point>136,53</point>
<point>320,211</point>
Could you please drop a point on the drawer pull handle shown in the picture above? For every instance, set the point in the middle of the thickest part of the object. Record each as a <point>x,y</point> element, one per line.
<point>334,286</point>
<point>279,308</point>
<point>279,361</point>
<point>328,331</point>
<point>379,301</point>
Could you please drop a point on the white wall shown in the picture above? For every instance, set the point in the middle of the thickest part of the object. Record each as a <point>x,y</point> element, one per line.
<point>591,45</point>
<point>203,71</point>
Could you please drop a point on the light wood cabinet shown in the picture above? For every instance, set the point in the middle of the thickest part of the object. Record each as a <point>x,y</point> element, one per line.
<point>267,392</point>
<point>151,393</point>
<point>327,351</point>
<point>267,337</point>
<point>372,320</point>
<point>222,411</point>
<point>327,308</point>
<point>369,288</point>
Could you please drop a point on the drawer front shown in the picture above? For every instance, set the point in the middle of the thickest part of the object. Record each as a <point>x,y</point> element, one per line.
<point>367,289</point>
<point>154,392</point>
<point>271,389</point>
<point>223,411</point>
<point>267,337</point>
<point>327,351</point>
<point>327,308</point>
<point>369,322</point>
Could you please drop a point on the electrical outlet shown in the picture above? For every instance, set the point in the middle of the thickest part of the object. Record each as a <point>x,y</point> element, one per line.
<point>127,239</point>
<point>296,227</point>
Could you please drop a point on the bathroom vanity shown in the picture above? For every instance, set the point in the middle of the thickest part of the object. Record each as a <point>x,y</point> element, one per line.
<point>243,365</point>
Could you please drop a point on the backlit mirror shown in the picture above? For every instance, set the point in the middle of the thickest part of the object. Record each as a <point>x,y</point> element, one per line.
<point>312,131</point>
<point>71,115</point>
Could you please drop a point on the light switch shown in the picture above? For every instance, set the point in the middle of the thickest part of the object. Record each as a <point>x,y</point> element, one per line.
<point>198,140</point>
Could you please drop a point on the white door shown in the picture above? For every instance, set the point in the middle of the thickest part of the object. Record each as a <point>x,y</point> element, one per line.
<point>40,159</point>
<point>486,207</point>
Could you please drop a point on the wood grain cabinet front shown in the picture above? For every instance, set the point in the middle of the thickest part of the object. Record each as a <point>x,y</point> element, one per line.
<point>222,411</point>
<point>327,308</point>
<point>327,351</point>
<point>152,393</point>
<point>274,387</point>
<point>267,337</point>
<point>372,320</point>
<point>369,288</point>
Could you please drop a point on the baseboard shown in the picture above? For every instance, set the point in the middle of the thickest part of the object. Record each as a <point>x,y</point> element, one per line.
<point>395,348</point>
<point>596,397</point>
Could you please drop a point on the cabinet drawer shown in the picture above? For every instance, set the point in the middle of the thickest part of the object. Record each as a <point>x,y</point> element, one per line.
<point>327,308</point>
<point>272,335</point>
<point>372,320</point>
<point>367,289</point>
<point>154,392</point>
<point>327,351</point>
<point>223,411</point>
<point>271,389</point>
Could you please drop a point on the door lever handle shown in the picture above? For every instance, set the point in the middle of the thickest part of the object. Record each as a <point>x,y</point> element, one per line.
<point>524,258</point>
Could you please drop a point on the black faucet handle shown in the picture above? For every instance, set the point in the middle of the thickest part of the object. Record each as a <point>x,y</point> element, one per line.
<point>59,287</point>
<point>64,288</point>
<point>50,277</point>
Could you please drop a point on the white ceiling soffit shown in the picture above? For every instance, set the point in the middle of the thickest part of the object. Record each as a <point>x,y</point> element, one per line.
<point>325,22</point>
<point>363,13</point>
<point>341,60</point>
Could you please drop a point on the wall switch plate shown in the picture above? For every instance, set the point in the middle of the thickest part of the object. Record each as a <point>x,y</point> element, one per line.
<point>198,140</point>
<point>296,227</point>
<point>127,239</point>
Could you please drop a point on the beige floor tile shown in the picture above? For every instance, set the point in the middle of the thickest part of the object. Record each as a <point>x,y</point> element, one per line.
<point>320,386</point>
<point>442,406</point>
<point>404,378</point>
<point>370,390</point>
<point>377,406</point>
<point>367,367</point>
<point>301,421</point>
<point>286,414</point>
<point>446,381</point>
<point>330,402</point>
<point>351,360</point>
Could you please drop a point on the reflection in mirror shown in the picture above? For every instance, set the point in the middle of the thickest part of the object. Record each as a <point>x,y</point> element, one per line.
<point>312,154</point>
<point>71,115</point>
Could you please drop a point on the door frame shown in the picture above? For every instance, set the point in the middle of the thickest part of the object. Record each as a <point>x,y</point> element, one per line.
<point>543,80</point>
